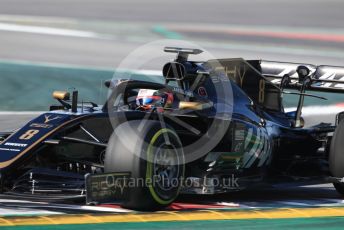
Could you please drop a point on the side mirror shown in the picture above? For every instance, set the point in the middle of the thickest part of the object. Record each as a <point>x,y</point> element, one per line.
<point>174,71</point>
<point>61,95</point>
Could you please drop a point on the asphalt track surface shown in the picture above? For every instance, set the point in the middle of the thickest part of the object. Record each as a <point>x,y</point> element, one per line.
<point>285,206</point>
<point>102,33</point>
<point>290,30</point>
<point>315,13</point>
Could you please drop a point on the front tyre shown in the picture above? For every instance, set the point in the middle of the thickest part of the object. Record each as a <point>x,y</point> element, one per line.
<point>154,156</point>
<point>336,158</point>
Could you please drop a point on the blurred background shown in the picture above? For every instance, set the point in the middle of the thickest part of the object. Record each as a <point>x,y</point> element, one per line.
<point>47,45</point>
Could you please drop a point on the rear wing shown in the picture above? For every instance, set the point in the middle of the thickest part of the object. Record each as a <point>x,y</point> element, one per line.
<point>323,78</point>
<point>247,75</point>
<point>261,80</point>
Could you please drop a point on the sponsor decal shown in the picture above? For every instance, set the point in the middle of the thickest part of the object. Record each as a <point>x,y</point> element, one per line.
<point>10,150</point>
<point>332,74</point>
<point>239,134</point>
<point>202,91</point>
<point>260,151</point>
<point>181,91</point>
<point>43,126</point>
<point>103,188</point>
<point>15,144</point>
<point>233,72</point>
<point>238,147</point>
<point>146,92</point>
<point>238,139</point>
<point>49,118</point>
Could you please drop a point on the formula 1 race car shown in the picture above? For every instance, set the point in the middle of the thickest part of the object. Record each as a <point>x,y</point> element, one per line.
<point>213,127</point>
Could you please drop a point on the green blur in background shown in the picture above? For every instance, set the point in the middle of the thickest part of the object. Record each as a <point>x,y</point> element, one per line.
<point>251,224</point>
<point>28,87</point>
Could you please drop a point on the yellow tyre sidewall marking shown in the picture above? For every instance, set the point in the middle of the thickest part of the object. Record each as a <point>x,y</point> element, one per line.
<point>149,171</point>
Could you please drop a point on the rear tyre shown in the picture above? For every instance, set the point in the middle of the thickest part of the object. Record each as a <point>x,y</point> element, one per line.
<point>336,158</point>
<point>154,157</point>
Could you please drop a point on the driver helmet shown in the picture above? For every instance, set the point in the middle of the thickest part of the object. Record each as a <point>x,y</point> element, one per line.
<point>150,98</point>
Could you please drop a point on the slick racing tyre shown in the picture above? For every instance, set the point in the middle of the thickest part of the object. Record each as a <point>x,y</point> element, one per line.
<point>154,156</point>
<point>336,160</point>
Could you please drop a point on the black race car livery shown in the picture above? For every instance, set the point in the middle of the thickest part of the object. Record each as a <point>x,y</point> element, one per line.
<point>215,126</point>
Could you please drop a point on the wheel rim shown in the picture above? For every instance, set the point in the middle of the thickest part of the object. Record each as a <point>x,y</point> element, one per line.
<point>166,170</point>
